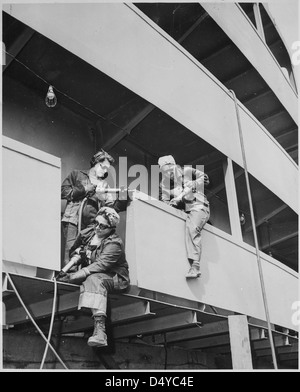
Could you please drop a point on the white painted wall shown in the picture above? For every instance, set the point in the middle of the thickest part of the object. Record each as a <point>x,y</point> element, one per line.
<point>31,207</point>
<point>230,17</point>
<point>122,42</point>
<point>230,280</point>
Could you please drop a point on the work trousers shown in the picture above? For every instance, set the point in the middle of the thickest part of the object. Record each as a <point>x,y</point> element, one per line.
<point>70,233</point>
<point>195,221</point>
<point>94,290</point>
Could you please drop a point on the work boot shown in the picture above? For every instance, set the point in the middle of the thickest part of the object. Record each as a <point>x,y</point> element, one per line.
<point>99,338</point>
<point>194,271</point>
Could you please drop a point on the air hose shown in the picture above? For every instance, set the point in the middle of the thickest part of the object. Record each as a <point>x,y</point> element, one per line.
<point>35,324</point>
<point>51,323</point>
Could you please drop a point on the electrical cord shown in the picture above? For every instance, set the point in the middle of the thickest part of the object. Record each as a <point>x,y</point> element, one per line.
<point>51,323</point>
<point>64,94</point>
<point>33,322</point>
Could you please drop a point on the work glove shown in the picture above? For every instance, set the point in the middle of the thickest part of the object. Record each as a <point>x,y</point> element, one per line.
<point>100,192</point>
<point>90,189</point>
<point>175,202</point>
<point>76,277</point>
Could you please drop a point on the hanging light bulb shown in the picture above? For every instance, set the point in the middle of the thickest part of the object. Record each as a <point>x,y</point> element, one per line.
<point>50,99</point>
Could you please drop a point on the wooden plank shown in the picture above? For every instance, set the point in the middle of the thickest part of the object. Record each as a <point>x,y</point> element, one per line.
<point>240,342</point>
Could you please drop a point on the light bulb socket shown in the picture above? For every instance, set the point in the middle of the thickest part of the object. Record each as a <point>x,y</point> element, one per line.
<point>50,99</point>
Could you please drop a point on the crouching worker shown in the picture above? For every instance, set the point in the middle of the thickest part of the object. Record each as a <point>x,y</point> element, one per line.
<point>105,271</point>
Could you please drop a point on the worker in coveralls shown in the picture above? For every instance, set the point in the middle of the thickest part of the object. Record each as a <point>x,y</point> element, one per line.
<point>104,270</point>
<point>183,188</point>
<point>86,186</point>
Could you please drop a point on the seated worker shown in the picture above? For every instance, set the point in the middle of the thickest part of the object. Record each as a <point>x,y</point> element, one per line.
<point>105,271</point>
<point>87,187</point>
<point>183,188</point>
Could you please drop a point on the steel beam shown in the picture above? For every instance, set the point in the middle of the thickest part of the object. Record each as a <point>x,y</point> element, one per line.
<point>207,330</point>
<point>213,341</point>
<point>67,302</point>
<point>158,324</point>
<point>131,311</point>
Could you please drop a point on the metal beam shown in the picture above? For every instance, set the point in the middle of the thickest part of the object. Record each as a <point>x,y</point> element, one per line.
<point>156,325</point>
<point>149,108</point>
<point>272,115</point>
<point>191,29</point>
<point>222,186</point>
<point>213,341</point>
<point>129,312</point>
<point>207,330</point>
<point>221,50</point>
<point>288,133</point>
<point>292,349</point>
<point>280,240</point>
<point>261,94</point>
<point>125,131</point>
<point>211,158</point>
<point>258,21</point>
<point>279,341</point>
<point>267,217</point>
<point>67,302</point>
<point>232,201</point>
<point>17,46</point>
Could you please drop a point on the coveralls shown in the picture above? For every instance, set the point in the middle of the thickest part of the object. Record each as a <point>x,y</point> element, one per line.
<point>107,270</point>
<point>73,190</point>
<point>194,203</point>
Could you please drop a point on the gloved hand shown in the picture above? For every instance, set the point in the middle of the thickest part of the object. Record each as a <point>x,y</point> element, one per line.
<point>90,189</point>
<point>189,184</point>
<point>100,192</point>
<point>76,277</point>
<point>174,202</point>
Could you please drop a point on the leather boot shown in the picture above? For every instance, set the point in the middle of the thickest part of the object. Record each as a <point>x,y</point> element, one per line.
<point>99,338</point>
<point>194,271</point>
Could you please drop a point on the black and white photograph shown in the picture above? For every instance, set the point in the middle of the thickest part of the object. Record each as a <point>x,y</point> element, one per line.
<point>150,189</point>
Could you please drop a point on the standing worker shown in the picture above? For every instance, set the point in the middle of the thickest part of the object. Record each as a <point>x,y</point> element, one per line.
<point>88,187</point>
<point>105,271</point>
<point>183,188</point>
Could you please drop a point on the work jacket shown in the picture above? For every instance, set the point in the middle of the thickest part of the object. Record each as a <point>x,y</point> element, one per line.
<point>195,199</point>
<point>107,257</point>
<point>73,190</point>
